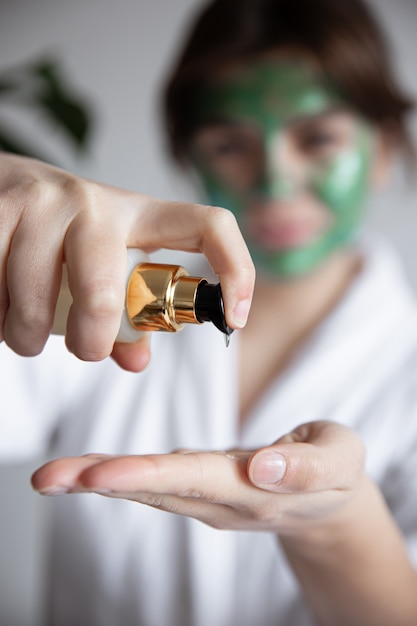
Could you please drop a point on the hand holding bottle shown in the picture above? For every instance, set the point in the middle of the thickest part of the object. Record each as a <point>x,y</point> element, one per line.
<point>49,217</point>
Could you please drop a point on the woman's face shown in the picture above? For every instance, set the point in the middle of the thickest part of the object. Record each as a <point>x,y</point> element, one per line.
<point>279,148</point>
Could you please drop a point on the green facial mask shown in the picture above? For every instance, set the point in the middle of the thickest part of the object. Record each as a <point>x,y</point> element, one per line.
<point>269,95</point>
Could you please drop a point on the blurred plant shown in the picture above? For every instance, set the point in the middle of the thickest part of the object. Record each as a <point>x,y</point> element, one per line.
<point>40,85</point>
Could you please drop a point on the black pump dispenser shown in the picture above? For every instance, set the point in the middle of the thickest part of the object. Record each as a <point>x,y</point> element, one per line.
<point>209,307</point>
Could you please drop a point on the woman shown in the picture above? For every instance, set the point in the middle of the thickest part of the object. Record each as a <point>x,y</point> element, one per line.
<point>289,114</point>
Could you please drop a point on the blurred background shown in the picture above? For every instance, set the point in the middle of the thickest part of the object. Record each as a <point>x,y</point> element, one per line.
<point>112,57</point>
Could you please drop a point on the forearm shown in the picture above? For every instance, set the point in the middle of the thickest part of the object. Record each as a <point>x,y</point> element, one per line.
<point>355,569</point>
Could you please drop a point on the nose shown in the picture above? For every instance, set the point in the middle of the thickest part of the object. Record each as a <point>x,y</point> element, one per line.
<point>277,186</point>
<point>279,180</point>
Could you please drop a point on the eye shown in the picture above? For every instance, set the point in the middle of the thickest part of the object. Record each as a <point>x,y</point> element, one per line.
<point>233,154</point>
<point>318,141</point>
<point>323,137</point>
<point>225,146</point>
<point>228,145</point>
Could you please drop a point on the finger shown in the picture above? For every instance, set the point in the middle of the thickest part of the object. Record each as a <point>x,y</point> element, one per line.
<point>4,294</point>
<point>62,475</point>
<point>8,224</point>
<point>219,516</point>
<point>170,474</point>
<point>210,230</point>
<point>133,357</point>
<point>33,274</point>
<point>125,477</point>
<point>96,261</point>
<point>318,456</point>
<point>207,476</point>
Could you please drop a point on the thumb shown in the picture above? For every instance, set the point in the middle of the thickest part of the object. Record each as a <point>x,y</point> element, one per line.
<point>317,456</point>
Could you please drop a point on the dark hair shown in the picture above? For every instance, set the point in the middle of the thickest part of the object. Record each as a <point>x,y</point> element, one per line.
<point>342,36</point>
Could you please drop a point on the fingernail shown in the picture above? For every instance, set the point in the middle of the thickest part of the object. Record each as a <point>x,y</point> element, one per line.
<point>268,468</point>
<point>55,490</point>
<point>240,313</point>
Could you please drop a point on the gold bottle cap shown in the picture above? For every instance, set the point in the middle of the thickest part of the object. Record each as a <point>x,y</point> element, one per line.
<point>165,297</point>
<point>161,297</point>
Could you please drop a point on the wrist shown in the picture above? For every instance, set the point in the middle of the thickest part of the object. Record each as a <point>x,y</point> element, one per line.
<point>355,515</point>
<point>353,554</point>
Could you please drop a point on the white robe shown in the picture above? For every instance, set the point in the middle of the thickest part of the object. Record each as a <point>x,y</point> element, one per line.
<point>119,563</point>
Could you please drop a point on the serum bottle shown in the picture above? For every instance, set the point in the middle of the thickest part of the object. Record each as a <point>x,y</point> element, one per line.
<point>159,297</point>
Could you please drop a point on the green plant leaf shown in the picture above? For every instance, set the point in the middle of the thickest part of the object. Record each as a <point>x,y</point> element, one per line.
<point>71,115</point>
<point>42,85</point>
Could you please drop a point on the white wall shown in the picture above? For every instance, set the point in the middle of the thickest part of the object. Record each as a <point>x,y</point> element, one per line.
<point>115,53</point>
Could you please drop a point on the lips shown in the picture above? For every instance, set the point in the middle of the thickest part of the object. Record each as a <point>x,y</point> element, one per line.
<point>286,228</point>
<point>285,233</point>
<point>283,236</point>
